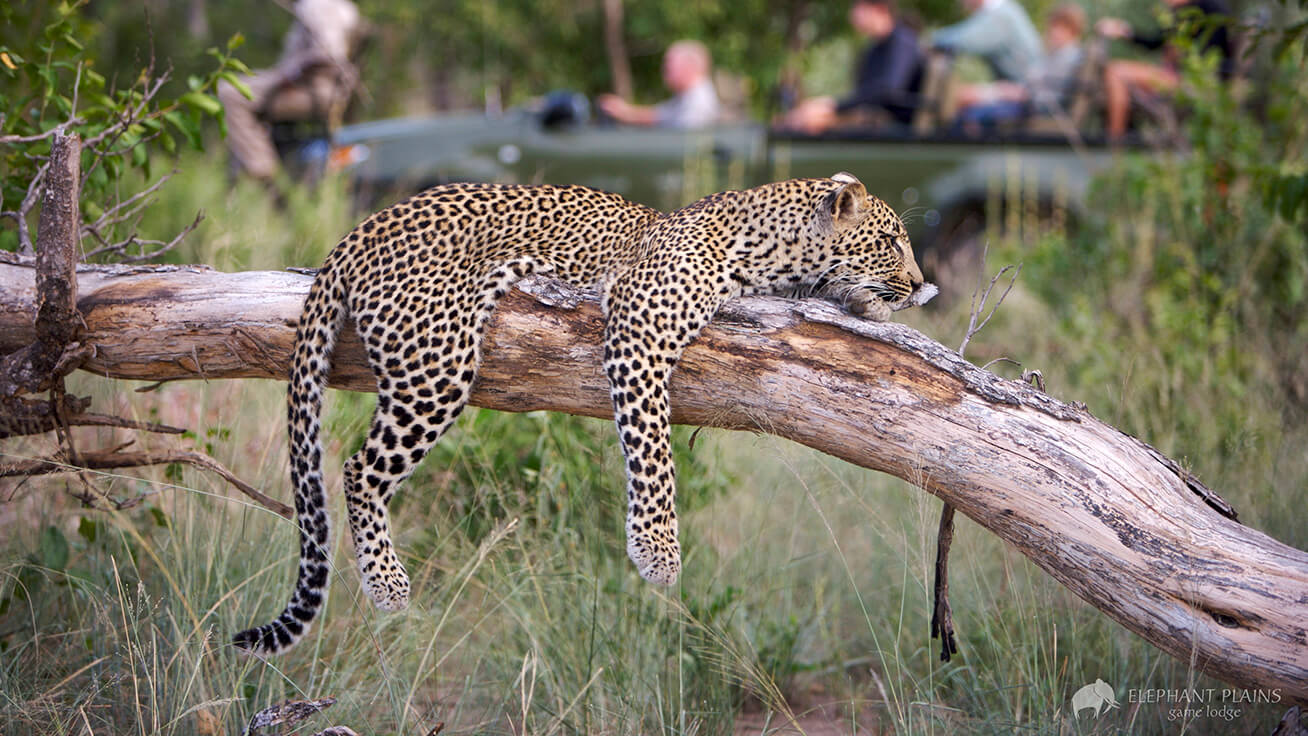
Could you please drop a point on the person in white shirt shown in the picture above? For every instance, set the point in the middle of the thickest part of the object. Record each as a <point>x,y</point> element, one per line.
<point>687,72</point>
<point>999,31</point>
<point>1043,89</point>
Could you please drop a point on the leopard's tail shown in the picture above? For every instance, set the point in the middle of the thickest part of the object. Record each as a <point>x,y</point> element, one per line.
<point>325,311</point>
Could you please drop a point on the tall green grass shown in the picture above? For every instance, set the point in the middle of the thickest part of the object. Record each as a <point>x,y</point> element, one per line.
<point>804,606</point>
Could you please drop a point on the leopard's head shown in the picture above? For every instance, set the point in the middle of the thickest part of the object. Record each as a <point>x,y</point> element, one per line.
<point>873,271</point>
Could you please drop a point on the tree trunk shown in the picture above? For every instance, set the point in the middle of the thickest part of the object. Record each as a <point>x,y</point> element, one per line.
<point>1119,524</point>
<point>615,46</point>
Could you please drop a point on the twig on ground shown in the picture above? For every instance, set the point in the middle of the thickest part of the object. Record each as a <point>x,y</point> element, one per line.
<point>289,713</point>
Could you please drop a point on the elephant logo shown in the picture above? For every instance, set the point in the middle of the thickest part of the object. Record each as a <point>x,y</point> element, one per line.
<point>1095,695</point>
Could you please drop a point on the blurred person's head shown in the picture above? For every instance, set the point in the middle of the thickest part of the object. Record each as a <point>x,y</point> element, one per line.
<point>874,19</point>
<point>1064,25</point>
<point>972,6</point>
<point>685,64</point>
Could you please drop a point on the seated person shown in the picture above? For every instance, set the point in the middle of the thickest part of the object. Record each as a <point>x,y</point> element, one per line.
<point>1121,76</point>
<point>1046,85</point>
<point>999,31</point>
<point>312,79</point>
<point>889,74</point>
<point>687,71</point>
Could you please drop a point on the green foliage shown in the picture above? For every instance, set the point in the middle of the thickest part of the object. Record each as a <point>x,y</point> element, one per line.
<point>1199,280</point>
<point>51,83</point>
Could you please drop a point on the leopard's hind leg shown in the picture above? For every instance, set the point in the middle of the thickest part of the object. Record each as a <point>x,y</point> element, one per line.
<point>425,373</point>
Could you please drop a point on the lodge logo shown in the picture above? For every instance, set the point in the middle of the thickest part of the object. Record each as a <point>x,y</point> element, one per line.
<point>1094,696</point>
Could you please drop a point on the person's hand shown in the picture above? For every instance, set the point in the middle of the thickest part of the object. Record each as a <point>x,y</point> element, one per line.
<point>1113,28</point>
<point>813,115</point>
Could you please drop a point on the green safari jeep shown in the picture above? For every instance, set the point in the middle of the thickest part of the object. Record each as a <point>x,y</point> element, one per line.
<point>942,183</point>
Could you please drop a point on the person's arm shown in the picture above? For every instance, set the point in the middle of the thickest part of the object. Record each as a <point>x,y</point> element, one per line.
<point>1116,29</point>
<point>975,34</point>
<point>627,113</point>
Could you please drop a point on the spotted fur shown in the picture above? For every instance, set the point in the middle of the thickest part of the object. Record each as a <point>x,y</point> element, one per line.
<point>421,278</point>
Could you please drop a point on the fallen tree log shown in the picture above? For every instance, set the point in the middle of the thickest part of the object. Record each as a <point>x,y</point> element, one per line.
<point>1119,524</point>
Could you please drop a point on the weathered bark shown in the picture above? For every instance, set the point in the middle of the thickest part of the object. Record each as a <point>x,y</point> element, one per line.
<point>1119,524</point>
<point>35,365</point>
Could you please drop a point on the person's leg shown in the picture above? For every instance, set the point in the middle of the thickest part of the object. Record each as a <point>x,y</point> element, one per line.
<point>1120,77</point>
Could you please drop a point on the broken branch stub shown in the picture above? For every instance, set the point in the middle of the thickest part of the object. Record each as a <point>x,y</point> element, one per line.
<point>34,366</point>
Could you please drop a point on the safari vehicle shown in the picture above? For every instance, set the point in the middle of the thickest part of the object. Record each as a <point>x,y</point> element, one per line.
<point>941,180</point>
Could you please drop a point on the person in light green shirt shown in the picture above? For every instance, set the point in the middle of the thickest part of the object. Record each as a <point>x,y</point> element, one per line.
<point>1000,32</point>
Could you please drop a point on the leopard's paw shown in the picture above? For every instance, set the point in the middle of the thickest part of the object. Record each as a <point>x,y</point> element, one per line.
<point>657,555</point>
<point>869,306</point>
<point>388,588</point>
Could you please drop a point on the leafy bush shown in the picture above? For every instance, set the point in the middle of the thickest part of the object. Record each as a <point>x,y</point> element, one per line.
<point>51,85</point>
<point>1179,303</point>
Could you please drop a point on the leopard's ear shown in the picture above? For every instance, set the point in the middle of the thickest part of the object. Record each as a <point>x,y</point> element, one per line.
<point>847,205</point>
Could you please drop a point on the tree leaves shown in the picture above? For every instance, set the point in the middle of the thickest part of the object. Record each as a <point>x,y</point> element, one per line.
<point>52,85</point>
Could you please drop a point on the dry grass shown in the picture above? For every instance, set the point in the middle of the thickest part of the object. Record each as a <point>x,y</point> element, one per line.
<point>804,607</point>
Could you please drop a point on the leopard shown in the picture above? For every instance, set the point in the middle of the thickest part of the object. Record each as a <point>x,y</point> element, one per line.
<point>421,279</point>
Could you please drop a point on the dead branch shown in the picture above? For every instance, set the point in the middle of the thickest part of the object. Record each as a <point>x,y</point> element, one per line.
<point>60,129</point>
<point>27,417</point>
<point>286,713</point>
<point>114,458</point>
<point>32,368</point>
<point>975,322</point>
<point>1118,523</point>
<point>23,416</point>
<point>119,248</point>
<point>942,613</point>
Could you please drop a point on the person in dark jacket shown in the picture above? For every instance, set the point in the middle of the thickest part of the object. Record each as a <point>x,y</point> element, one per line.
<point>889,74</point>
<point>1121,76</point>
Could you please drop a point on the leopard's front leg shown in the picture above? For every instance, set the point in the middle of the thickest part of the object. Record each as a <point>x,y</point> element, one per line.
<point>646,329</point>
